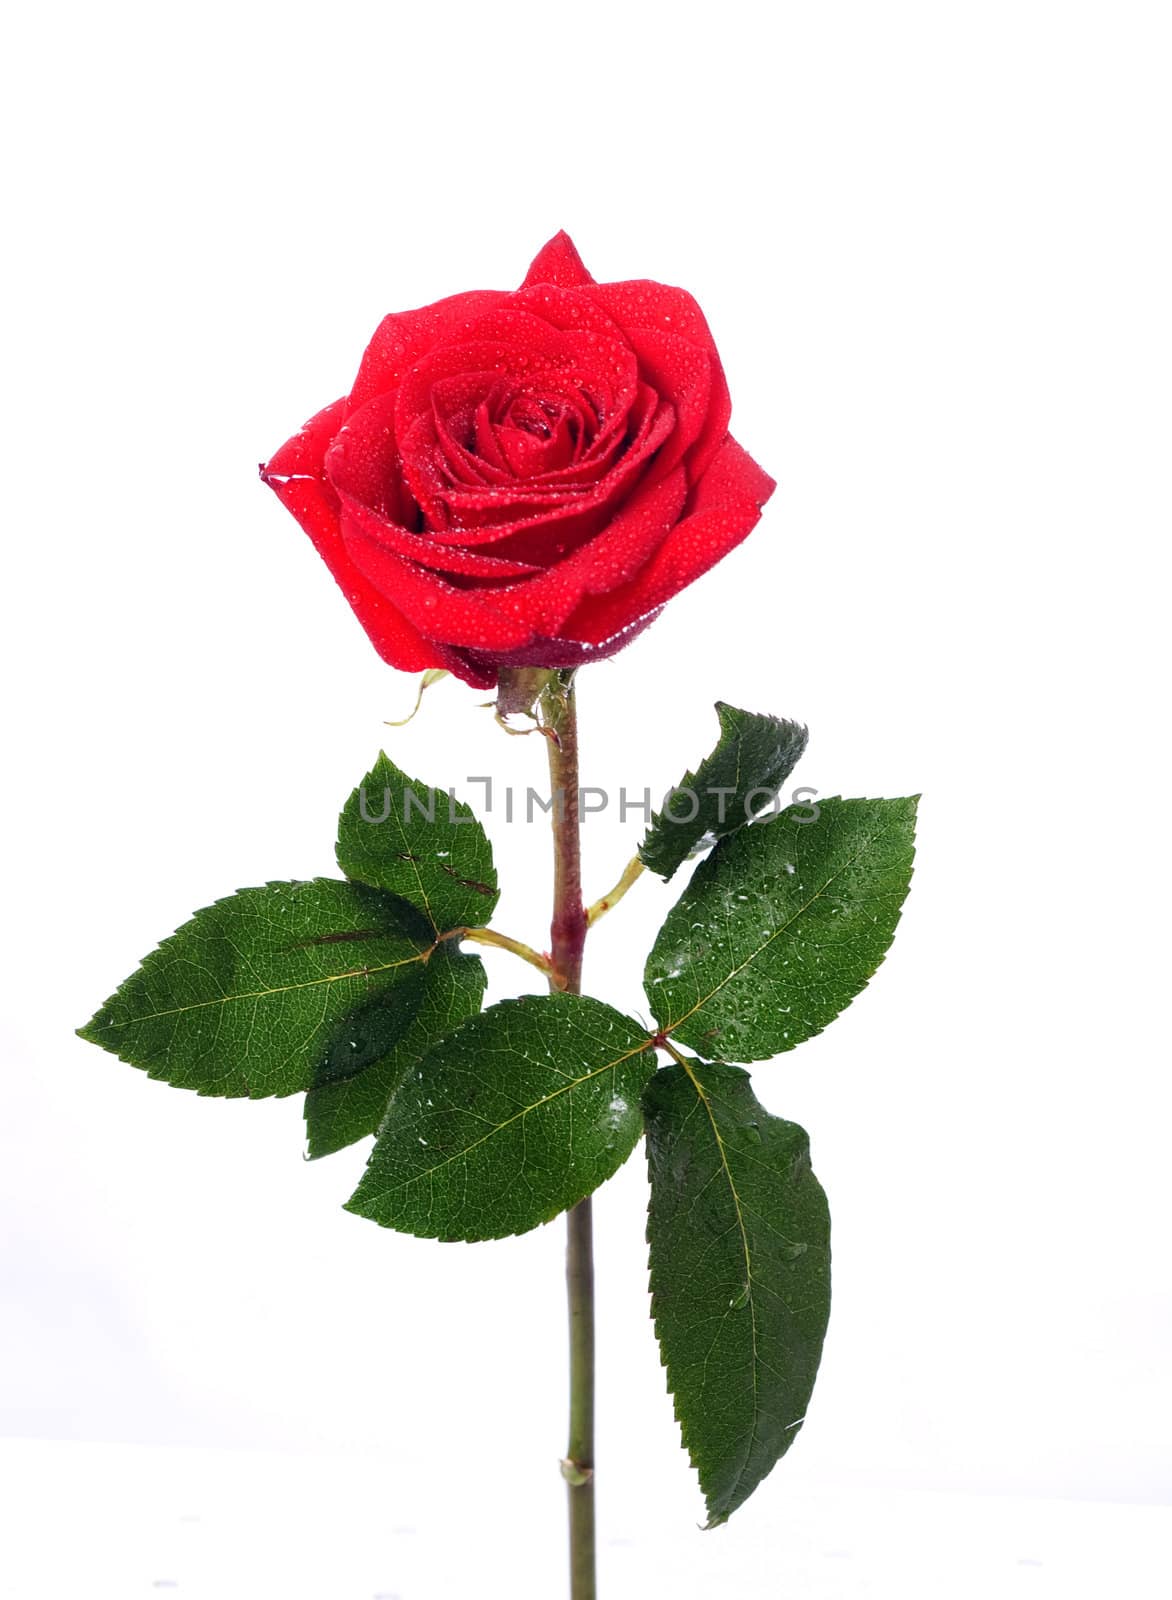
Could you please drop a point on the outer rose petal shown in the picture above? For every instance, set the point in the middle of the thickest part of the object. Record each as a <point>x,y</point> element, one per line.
<point>294,475</point>
<point>726,506</point>
<point>305,451</point>
<point>361,526</point>
<point>682,373</point>
<point>611,558</point>
<point>362,460</point>
<point>640,304</point>
<point>405,336</point>
<point>557,262</point>
<point>476,619</point>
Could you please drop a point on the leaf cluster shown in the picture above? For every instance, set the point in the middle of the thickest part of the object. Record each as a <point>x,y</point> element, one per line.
<point>356,993</point>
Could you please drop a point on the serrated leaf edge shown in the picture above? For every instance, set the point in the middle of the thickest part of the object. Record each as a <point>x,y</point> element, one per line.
<point>88,1030</point>
<point>690,776</point>
<point>97,1034</point>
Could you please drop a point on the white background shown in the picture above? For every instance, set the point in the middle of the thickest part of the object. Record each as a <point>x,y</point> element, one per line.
<point>933,245</point>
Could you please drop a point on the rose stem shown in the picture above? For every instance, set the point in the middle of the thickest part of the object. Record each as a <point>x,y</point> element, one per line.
<point>568,936</point>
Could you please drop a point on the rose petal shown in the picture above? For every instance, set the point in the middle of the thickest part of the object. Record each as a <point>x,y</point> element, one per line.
<point>658,307</point>
<point>526,350</point>
<point>641,303</point>
<point>733,475</point>
<point>305,451</point>
<point>522,513</point>
<point>441,612</point>
<point>294,475</point>
<point>474,455</point>
<point>682,373</point>
<point>363,461</point>
<point>403,337</point>
<point>488,466</point>
<point>557,262</point>
<point>612,558</point>
<point>360,525</point>
<point>726,506</point>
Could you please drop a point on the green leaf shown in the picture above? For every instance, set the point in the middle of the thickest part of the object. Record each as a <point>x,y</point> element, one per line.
<point>342,1106</point>
<point>421,844</point>
<point>781,927</point>
<point>740,1273</point>
<point>753,759</point>
<point>257,991</point>
<point>519,1114</point>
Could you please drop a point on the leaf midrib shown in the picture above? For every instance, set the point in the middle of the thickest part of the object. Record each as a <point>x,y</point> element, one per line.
<point>702,1095</point>
<point>264,994</point>
<point>498,1128</point>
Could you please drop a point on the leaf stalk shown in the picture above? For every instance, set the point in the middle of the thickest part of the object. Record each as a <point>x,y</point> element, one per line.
<point>502,941</point>
<point>632,872</point>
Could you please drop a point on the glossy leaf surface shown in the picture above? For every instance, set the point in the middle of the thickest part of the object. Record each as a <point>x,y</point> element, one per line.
<point>754,757</point>
<point>517,1115</point>
<point>781,927</point>
<point>417,842</point>
<point>740,1273</point>
<point>257,991</point>
<point>349,1098</point>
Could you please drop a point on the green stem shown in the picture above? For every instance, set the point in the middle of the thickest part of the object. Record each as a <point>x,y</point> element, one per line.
<point>632,872</point>
<point>568,937</point>
<point>502,941</point>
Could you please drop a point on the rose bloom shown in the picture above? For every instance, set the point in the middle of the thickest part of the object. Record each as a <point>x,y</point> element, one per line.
<point>524,478</point>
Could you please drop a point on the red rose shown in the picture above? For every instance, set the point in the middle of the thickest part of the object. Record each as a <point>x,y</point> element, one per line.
<point>525,478</point>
